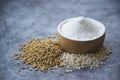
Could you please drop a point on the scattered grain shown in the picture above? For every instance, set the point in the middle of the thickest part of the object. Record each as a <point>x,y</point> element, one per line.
<point>17,63</point>
<point>52,71</point>
<point>8,41</point>
<point>23,67</point>
<point>19,70</point>
<point>60,73</point>
<point>36,70</point>
<point>16,56</point>
<point>110,65</point>
<point>30,70</point>
<point>68,70</point>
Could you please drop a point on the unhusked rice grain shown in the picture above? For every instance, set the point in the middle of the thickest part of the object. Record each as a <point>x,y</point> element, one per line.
<point>41,54</point>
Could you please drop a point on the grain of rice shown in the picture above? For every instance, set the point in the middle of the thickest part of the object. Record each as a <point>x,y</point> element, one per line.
<point>47,53</point>
<point>41,54</point>
<point>91,60</point>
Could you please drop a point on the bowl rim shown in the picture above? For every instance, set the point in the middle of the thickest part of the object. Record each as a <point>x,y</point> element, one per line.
<point>66,20</point>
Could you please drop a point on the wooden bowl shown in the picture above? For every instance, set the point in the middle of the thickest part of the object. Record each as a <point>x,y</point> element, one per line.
<point>80,46</point>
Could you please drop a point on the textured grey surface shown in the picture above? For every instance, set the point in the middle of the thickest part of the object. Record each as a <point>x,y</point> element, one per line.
<point>21,20</point>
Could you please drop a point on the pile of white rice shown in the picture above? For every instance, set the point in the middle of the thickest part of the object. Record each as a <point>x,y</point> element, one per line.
<point>91,60</point>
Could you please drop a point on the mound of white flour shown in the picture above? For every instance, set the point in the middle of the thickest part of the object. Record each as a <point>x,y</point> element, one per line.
<point>82,28</point>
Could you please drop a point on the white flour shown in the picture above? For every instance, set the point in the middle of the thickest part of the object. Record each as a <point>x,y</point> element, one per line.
<point>81,28</point>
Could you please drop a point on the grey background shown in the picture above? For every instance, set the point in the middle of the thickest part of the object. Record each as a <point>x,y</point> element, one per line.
<point>22,20</point>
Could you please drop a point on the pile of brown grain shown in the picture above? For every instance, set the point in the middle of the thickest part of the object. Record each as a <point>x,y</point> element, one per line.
<point>41,54</point>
